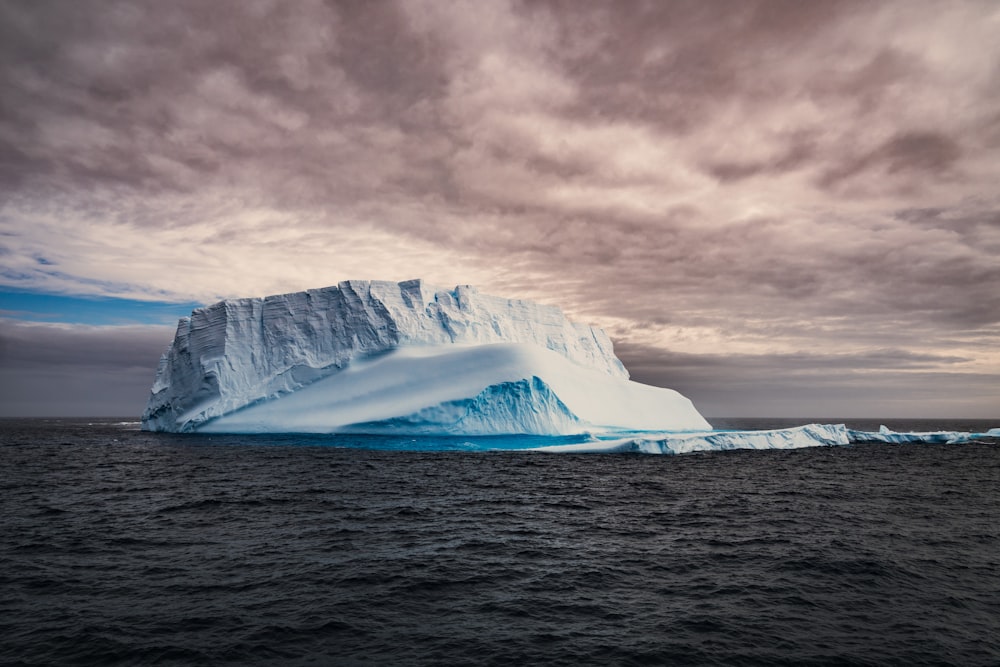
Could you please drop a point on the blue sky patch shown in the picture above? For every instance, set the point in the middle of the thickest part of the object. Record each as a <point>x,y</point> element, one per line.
<point>39,307</point>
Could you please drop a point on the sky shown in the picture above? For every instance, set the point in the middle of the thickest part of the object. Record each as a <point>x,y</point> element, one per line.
<point>778,208</point>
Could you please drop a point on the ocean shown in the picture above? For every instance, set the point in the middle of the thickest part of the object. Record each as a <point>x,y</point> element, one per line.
<point>121,547</point>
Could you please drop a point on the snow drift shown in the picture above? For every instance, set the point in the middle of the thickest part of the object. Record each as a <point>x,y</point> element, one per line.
<point>384,357</point>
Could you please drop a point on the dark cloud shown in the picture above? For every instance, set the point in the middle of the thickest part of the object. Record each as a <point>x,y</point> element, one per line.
<point>30,345</point>
<point>792,158</point>
<point>673,63</point>
<point>913,154</point>
<point>60,370</point>
<point>869,384</point>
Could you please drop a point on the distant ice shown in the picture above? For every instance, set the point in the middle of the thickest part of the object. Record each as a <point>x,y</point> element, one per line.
<point>809,435</point>
<point>888,436</point>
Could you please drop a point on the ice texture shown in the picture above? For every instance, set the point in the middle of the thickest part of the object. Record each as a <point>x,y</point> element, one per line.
<point>884,434</point>
<point>809,435</point>
<point>500,388</point>
<point>389,357</point>
<point>524,406</point>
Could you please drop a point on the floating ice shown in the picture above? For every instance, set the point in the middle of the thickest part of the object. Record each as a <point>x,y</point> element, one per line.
<point>886,435</point>
<point>810,435</point>
<point>385,357</point>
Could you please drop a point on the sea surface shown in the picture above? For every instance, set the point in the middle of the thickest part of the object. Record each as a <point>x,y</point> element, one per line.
<point>119,547</point>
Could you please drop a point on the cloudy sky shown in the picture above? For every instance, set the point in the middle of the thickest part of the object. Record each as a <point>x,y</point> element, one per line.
<point>780,208</point>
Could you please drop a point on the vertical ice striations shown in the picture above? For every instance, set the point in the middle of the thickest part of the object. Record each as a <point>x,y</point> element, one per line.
<point>241,352</point>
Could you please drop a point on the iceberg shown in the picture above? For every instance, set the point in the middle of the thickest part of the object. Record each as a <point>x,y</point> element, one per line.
<point>403,358</point>
<point>809,435</point>
<point>884,434</point>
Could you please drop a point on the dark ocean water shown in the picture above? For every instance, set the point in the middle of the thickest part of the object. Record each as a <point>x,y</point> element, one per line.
<point>121,547</point>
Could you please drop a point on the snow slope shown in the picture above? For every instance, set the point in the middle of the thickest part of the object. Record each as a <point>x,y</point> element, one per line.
<point>398,357</point>
<point>473,390</point>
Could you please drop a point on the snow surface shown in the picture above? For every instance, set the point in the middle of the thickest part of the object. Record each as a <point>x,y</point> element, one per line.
<point>472,390</point>
<point>388,357</point>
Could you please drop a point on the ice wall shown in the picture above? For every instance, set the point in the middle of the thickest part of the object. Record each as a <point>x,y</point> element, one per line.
<point>241,352</point>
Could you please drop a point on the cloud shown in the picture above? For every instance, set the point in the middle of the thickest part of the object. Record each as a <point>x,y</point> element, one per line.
<point>77,370</point>
<point>820,385</point>
<point>27,345</point>
<point>747,177</point>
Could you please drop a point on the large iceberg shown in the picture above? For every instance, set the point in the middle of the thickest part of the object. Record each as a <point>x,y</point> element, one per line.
<point>384,357</point>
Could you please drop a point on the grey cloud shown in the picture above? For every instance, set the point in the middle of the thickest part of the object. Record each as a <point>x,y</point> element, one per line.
<point>919,151</point>
<point>981,227</point>
<point>801,385</point>
<point>869,85</point>
<point>758,266</point>
<point>88,392</point>
<point>794,157</point>
<point>916,154</point>
<point>156,96</point>
<point>672,62</point>
<point>52,370</point>
<point>336,102</point>
<point>33,345</point>
<point>643,357</point>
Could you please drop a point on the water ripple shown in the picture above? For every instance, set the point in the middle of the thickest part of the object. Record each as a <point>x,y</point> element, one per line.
<point>162,551</point>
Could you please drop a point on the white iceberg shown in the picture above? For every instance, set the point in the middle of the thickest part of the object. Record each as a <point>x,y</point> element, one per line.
<point>382,357</point>
<point>884,434</point>
<point>809,435</point>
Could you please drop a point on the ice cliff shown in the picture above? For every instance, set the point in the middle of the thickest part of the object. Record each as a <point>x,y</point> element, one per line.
<point>399,357</point>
